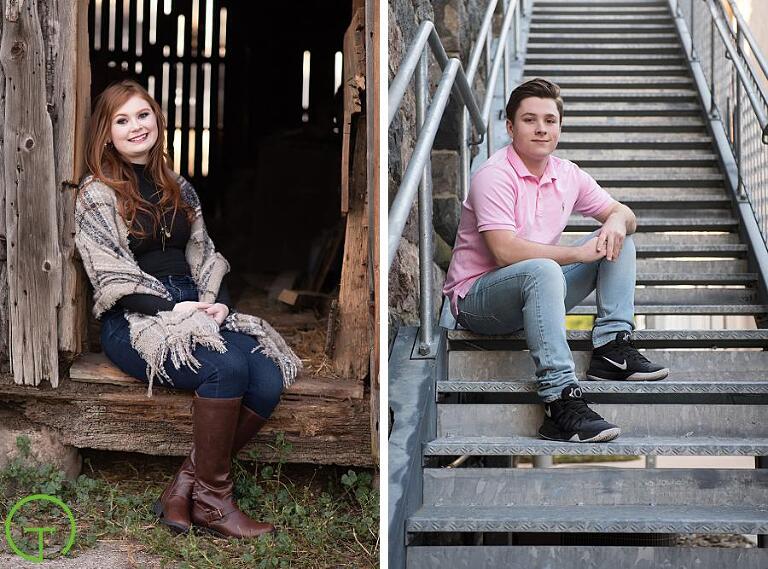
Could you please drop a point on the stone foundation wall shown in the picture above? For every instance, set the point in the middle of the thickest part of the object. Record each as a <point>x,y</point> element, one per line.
<point>457,23</point>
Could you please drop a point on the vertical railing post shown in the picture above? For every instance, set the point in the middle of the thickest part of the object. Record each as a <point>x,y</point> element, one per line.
<point>693,35</point>
<point>737,122</point>
<point>518,46</point>
<point>464,155</point>
<point>425,216</point>
<point>505,63</point>
<point>488,64</point>
<point>712,82</point>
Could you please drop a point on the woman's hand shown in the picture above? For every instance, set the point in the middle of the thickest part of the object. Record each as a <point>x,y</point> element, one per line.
<point>218,311</point>
<point>189,305</point>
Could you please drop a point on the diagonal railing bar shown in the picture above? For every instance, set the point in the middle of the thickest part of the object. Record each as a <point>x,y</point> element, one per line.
<point>417,175</point>
<point>729,71</point>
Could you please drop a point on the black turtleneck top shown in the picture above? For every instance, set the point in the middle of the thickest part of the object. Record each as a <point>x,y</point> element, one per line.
<point>156,258</point>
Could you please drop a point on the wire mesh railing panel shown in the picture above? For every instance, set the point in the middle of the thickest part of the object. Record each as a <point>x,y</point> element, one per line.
<point>737,92</point>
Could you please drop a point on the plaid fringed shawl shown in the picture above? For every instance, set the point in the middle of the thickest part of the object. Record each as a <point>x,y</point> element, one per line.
<point>101,237</point>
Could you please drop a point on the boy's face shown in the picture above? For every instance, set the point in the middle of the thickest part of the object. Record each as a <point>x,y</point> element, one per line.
<point>535,131</point>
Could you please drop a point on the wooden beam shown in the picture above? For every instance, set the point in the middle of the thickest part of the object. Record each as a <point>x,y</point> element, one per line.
<point>354,83</point>
<point>352,341</point>
<point>322,430</point>
<point>373,30</point>
<point>96,368</point>
<point>4,293</point>
<point>66,39</point>
<point>34,258</point>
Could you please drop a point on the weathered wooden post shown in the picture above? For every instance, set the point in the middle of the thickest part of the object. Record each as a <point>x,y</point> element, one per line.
<point>33,252</point>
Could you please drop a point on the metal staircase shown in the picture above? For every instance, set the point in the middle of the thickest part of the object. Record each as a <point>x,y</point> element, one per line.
<point>637,120</point>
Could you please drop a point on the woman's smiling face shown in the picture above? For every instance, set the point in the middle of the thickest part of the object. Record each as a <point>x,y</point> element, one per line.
<point>133,130</point>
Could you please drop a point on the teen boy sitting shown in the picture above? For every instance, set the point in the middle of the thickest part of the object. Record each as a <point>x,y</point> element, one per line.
<point>507,272</point>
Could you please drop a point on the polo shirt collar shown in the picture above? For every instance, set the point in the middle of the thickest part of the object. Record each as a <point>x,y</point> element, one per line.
<point>522,171</point>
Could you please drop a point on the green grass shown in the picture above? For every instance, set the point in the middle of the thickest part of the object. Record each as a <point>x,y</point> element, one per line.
<point>325,518</point>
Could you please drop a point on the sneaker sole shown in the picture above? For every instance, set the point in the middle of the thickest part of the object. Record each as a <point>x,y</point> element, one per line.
<point>601,437</point>
<point>637,376</point>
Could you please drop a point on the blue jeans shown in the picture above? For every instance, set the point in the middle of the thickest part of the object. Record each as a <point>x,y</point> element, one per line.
<point>236,373</point>
<point>535,294</point>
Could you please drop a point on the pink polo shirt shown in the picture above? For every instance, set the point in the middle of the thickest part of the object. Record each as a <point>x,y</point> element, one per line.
<point>505,195</point>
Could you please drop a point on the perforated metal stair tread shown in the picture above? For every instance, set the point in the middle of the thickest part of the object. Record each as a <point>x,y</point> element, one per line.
<point>619,519</point>
<point>660,309</point>
<point>666,387</point>
<point>582,339</point>
<point>624,445</point>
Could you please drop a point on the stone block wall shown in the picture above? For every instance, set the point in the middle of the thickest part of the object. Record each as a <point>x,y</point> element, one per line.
<point>457,22</point>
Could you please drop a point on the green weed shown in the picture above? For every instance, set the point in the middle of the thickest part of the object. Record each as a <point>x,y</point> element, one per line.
<point>332,522</point>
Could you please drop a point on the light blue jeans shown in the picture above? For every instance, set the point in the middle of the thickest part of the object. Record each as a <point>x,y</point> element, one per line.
<point>535,294</point>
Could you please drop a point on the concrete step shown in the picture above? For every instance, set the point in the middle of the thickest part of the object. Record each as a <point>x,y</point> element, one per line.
<point>597,18</point>
<point>582,339</point>
<point>610,519</point>
<point>599,4</point>
<point>641,84</point>
<point>610,29</point>
<point>635,140</point>
<point>647,224</point>
<point>678,245</point>
<point>596,69</point>
<point>598,96</point>
<point>637,420</point>
<point>686,295</point>
<point>566,57</point>
<point>583,557</point>
<point>632,109</point>
<point>618,47</point>
<point>672,198</point>
<point>569,37</point>
<point>690,371</point>
<point>633,124</point>
<point>624,445</point>
<point>600,10</point>
<point>638,158</point>
<point>693,266</point>
<point>703,309</point>
<point>698,177</point>
<point>506,487</point>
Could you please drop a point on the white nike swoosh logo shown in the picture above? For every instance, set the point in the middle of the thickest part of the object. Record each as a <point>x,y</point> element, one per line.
<point>548,412</point>
<point>618,365</point>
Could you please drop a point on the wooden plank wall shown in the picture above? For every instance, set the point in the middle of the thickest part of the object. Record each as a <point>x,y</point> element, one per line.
<point>351,356</point>
<point>33,255</point>
<point>372,31</point>
<point>68,82</point>
<point>4,336</point>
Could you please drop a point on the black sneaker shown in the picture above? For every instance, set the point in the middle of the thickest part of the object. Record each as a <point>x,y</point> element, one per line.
<point>619,360</point>
<point>569,419</point>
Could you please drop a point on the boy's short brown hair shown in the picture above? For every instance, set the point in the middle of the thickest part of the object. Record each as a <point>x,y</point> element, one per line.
<point>534,88</point>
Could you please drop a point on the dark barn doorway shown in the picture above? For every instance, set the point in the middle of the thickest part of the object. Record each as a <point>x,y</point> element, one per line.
<point>253,121</point>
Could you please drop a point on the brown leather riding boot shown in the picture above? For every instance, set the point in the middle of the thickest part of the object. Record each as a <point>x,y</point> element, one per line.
<point>174,505</point>
<point>213,506</point>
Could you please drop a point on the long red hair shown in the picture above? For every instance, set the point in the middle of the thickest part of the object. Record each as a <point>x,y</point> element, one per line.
<point>110,167</point>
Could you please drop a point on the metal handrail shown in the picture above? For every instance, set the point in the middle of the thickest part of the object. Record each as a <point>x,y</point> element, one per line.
<point>757,99</point>
<point>733,90</point>
<point>418,173</point>
<point>743,28</point>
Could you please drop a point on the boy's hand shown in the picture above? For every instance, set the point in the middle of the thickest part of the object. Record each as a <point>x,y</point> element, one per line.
<point>589,253</point>
<point>611,237</point>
